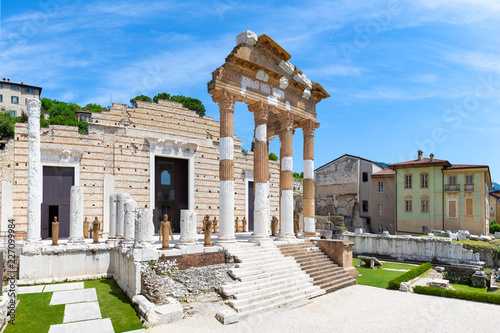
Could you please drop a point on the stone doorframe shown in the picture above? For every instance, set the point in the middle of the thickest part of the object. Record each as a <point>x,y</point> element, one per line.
<point>172,149</point>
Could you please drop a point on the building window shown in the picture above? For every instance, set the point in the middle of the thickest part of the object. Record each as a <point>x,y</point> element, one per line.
<point>469,179</point>
<point>365,177</point>
<point>381,187</point>
<point>13,113</point>
<point>452,180</point>
<point>29,90</point>
<point>380,209</point>
<point>1,98</point>
<point>14,100</point>
<point>1,85</point>
<point>469,206</point>
<point>452,209</point>
<point>407,181</point>
<point>424,180</point>
<point>83,118</point>
<point>408,205</point>
<point>425,205</point>
<point>15,88</point>
<point>365,205</point>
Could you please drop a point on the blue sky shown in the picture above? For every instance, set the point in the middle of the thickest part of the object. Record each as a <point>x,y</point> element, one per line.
<point>402,75</point>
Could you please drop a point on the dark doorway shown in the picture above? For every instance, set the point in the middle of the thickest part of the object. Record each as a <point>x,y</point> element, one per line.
<point>171,187</point>
<point>57,182</point>
<point>251,199</point>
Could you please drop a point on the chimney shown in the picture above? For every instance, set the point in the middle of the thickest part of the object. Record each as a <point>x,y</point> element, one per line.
<point>8,80</point>
<point>431,157</point>
<point>21,82</point>
<point>4,80</point>
<point>419,155</point>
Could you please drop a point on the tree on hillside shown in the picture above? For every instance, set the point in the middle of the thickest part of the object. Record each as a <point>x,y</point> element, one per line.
<point>62,110</point>
<point>163,96</point>
<point>143,98</point>
<point>7,122</point>
<point>94,107</point>
<point>190,103</point>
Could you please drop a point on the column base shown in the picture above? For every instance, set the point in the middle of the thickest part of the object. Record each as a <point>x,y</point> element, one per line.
<point>187,242</point>
<point>260,239</point>
<point>286,236</point>
<point>32,245</point>
<point>225,240</point>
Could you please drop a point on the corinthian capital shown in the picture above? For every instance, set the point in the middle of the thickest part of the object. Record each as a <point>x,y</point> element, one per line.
<point>225,99</point>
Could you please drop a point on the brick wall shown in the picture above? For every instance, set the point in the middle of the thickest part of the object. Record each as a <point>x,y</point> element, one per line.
<point>117,145</point>
<point>197,260</point>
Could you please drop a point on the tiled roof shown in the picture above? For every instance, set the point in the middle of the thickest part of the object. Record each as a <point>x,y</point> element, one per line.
<point>466,166</point>
<point>422,161</point>
<point>385,172</point>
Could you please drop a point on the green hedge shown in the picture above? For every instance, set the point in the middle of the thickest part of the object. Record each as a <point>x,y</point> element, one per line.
<point>460,294</point>
<point>394,283</point>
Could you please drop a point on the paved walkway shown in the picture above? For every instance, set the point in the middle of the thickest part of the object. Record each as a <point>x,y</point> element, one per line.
<point>81,312</point>
<point>357,309</point>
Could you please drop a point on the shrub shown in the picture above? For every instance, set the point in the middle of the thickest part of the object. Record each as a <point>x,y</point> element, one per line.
<point>273,157</point>
<point>413,273</point>
<point>460,294</point>
<point>494,226</point>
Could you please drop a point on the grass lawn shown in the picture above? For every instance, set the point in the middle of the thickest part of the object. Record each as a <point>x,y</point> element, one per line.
<point>462,287</point>
<point>379,277</point>
<point>34,314</point>
<point>115,305</point>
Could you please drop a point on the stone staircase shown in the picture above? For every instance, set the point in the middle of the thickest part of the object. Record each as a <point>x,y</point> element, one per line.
<point>325,273</point>
<point>267,281</point>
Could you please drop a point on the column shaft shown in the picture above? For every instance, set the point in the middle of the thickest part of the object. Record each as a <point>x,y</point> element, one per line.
<point>226,167</point>
<point>33,237</point>
<point>308,185</point>
<point>286,178</point>
<point>129,223</point>
<point>261,174</point>
<point>76,216</point>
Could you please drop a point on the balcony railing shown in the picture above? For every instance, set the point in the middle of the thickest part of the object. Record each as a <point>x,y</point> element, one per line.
<point>469,187</point>
<point>452,187</point>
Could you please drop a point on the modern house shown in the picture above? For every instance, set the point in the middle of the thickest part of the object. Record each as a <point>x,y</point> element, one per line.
<point>434,194</point>
<point>344,187</point>
<point>13,96</point>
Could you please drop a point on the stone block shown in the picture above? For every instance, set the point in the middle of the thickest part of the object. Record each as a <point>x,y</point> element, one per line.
<point>228,316</point>
<point>439,283</point>
<point>248,37</point>
<point>474,237</point>
<point>497,234</point>
<point>405,286</point>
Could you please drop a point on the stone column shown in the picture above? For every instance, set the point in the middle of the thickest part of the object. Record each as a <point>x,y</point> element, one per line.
<point>76,216</point>
<point>129,221</point>
<point>120,214</point>
<point>144,229</point>
<point>188,229</point>
<point>33,236</point>
<point>308,183</point>
<point>261,173</point>
<point>286,177</point>
<point>112,217</point>
<point>226,167</point>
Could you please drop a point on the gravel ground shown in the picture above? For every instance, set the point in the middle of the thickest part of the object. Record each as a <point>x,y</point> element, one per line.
<point>355,309</point>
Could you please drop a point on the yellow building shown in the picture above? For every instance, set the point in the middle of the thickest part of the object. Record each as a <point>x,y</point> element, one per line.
<point>14,96</point>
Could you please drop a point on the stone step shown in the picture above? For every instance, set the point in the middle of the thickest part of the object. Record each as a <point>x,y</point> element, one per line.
<point>317,263</point>
<point>270,267</point>
<point>276,299</point>
<point>308,256</point>
<point>285,270</point>
<point>327,280</point>
<point>338,286</point>
<point>320,268</point>
<point>271,286</point>
<point>298,249</point>
<point>244,287</point>
<point>253,251</point>
<point>267,294</point>
<point>313,259</point>
<point>253,262</point>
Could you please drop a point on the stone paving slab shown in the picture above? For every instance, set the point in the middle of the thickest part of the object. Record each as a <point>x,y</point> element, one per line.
<point>30,289</point>
<point>141,330</point>
<point>92,326</point>
<point>63,287</point>
<point>73,296</point>
<point>81,311</point>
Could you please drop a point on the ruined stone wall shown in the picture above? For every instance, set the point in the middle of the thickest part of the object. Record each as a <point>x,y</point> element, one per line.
<point>117,145</point>
<point>6,174</point>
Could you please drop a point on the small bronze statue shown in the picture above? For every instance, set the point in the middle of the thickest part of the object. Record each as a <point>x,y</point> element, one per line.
<point>274,226</point>
<point>207,230</point>
<point>86,225</point>
<point>96,227</point>
<point>55,232</point>
<point>296,225</point>
<point>165,232</point>
<point>236,225</point>
<point>244,222</point>
<point>215,227</point>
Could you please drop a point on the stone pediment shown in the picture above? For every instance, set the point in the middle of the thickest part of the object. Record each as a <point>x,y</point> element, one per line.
<point>259,70</point>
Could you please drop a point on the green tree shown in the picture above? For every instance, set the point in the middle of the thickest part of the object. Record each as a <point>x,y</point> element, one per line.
<point>143,98</point>
<point>273,157</point>
<point>163,96</point>
<point>94,107</point>
<point>7,122</point>
<point>62,110</point>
